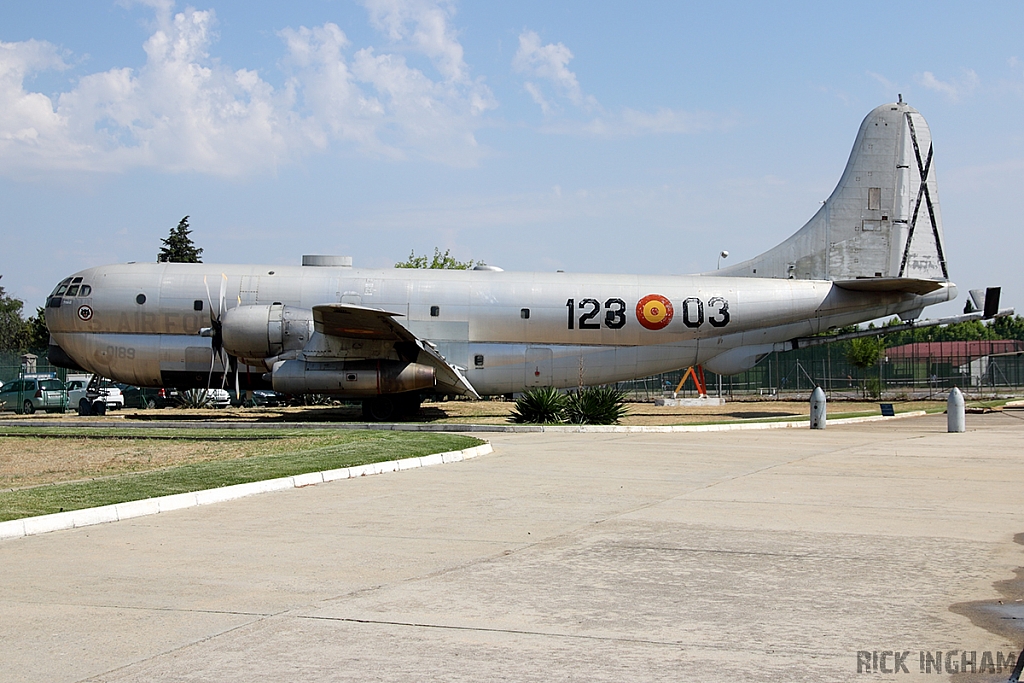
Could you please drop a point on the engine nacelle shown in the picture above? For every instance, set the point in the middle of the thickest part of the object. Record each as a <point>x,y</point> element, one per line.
<point>264,331</point>
<point>351,378</point>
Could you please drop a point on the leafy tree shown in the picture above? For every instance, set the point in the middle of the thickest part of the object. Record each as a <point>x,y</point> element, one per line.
<point>864,352</point>
<point>37,336</point>
<point>179,247</point>
<point>12,328</point>
<point>441,261</point>
<point>1009,327</point>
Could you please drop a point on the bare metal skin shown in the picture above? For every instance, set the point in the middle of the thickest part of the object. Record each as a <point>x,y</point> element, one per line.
<point>874,249</point>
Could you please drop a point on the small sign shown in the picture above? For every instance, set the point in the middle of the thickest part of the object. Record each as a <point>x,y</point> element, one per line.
<point>887,410</point>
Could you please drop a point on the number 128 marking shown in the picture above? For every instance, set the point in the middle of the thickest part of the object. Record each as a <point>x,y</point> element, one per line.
<point>614,316</point>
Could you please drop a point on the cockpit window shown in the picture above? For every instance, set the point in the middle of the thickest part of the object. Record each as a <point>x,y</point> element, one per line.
<point>76,280</point>
<point>61,288</point>
<point>85,291</point>
<point>73,290</point>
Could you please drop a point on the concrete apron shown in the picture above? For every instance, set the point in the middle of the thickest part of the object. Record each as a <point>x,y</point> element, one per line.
<point>705,556</point>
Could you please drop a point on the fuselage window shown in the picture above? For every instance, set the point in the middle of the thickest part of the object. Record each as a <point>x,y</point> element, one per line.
<point>435,311</point>
<point>197,305</point>
<point>478,360</point>
<point>140,299</point>
<point>524,313</point>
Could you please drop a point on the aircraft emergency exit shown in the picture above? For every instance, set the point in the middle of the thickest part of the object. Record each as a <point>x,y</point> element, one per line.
<point>875,248</point>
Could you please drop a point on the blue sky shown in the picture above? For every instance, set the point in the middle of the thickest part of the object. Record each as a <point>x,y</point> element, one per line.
<point>585,136</point>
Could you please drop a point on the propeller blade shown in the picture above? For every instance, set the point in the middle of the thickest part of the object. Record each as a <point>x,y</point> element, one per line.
<point>209,378</point>
<point>209,299</point>
<point>238,391</point>
<point>225,360</point>
<point>223,291</point>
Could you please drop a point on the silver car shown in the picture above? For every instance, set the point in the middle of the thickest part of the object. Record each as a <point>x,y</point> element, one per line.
<point>31,394</point>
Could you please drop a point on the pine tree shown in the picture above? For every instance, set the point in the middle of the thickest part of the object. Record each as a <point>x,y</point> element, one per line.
<point>179,247</point>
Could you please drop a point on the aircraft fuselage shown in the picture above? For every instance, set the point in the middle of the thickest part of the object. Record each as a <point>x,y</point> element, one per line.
<point>140,323</point>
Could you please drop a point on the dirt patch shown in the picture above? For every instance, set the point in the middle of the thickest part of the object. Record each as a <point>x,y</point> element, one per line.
<point>28,461</point>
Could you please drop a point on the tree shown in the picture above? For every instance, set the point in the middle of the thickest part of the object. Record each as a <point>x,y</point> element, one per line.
<point>12,328</point>
<point>864,352</point>
<point>37,335</point>
<point>179,247</point>
<point>443,261</point>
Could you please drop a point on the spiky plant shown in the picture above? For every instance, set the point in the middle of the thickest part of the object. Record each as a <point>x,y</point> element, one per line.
<point>543,404</point>
<point>195,398</point>
<point>595,406</point>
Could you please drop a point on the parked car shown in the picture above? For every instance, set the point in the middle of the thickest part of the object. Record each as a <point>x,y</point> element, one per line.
<point>267,397</point>
<point>26,396</point>
<point>149,397</point>
<point>109,392</point>
<point>220,398</point>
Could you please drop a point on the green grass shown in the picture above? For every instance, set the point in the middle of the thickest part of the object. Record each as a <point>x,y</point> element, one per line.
<point>318,450</point>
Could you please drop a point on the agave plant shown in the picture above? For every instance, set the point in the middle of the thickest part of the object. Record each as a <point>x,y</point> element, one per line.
<point>195,398</point>
<point>595,406</point>
<point>543,404</point>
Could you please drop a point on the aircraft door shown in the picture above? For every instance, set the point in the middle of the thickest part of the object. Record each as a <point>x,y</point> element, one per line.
<point>538,366</point>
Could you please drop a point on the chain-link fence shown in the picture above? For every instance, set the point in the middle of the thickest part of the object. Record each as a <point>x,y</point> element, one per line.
<point>913,371</point>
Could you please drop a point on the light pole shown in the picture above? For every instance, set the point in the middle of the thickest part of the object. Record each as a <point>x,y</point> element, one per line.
<point>722,255</point>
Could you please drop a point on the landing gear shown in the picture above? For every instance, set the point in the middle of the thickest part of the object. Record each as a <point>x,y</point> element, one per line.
<point>87,408</point>
<point>391,407</point>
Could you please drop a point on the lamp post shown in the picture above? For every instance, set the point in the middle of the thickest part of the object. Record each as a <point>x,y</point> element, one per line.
<point>722,255</point>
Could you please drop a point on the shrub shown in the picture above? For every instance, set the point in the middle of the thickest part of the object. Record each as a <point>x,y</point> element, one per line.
<point>195,398</point>
<point>543,404</point>
<point>595,406</point>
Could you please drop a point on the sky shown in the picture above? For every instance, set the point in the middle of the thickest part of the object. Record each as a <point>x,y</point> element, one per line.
<point>639,137</point>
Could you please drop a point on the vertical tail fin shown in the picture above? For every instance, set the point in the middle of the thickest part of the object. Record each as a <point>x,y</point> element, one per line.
<point>883,218</point>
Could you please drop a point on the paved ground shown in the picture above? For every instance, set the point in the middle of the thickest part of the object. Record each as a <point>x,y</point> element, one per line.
<point>773,555</point>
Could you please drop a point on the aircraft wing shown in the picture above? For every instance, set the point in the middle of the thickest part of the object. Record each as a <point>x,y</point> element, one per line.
<point>349,320</point>
<point>360,322</point>
<point>890,284</point>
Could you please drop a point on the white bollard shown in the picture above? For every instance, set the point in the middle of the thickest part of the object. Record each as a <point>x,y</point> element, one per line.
<point>955,420</point>
<point>818,408</point>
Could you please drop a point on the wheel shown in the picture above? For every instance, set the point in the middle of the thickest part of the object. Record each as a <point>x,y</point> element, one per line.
<point>28,408</point>
<point>150,404</point>
<point>388,407</point>
<point>379,409</point>
<point>99,408</point>
<point>84,407</point>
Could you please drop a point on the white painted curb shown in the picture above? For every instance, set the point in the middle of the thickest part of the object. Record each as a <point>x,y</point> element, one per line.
<point>30,526</point>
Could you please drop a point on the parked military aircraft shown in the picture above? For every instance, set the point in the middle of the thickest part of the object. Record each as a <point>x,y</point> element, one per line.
<point>875,248</point>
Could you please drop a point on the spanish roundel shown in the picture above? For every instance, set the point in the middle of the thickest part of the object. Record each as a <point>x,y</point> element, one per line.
<point>654,311</point>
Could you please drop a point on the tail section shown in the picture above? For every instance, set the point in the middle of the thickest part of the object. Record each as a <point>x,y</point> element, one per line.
<point>881,221</point>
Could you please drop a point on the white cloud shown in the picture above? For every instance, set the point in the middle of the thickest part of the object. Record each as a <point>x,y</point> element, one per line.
<point>551,63</point>
<point>27,119</point>
<point>183,111</point>
<point>424,25</point>
<point>954,89</point>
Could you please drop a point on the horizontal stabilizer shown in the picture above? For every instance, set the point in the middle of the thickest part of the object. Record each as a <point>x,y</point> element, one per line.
<point>890,284</point>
